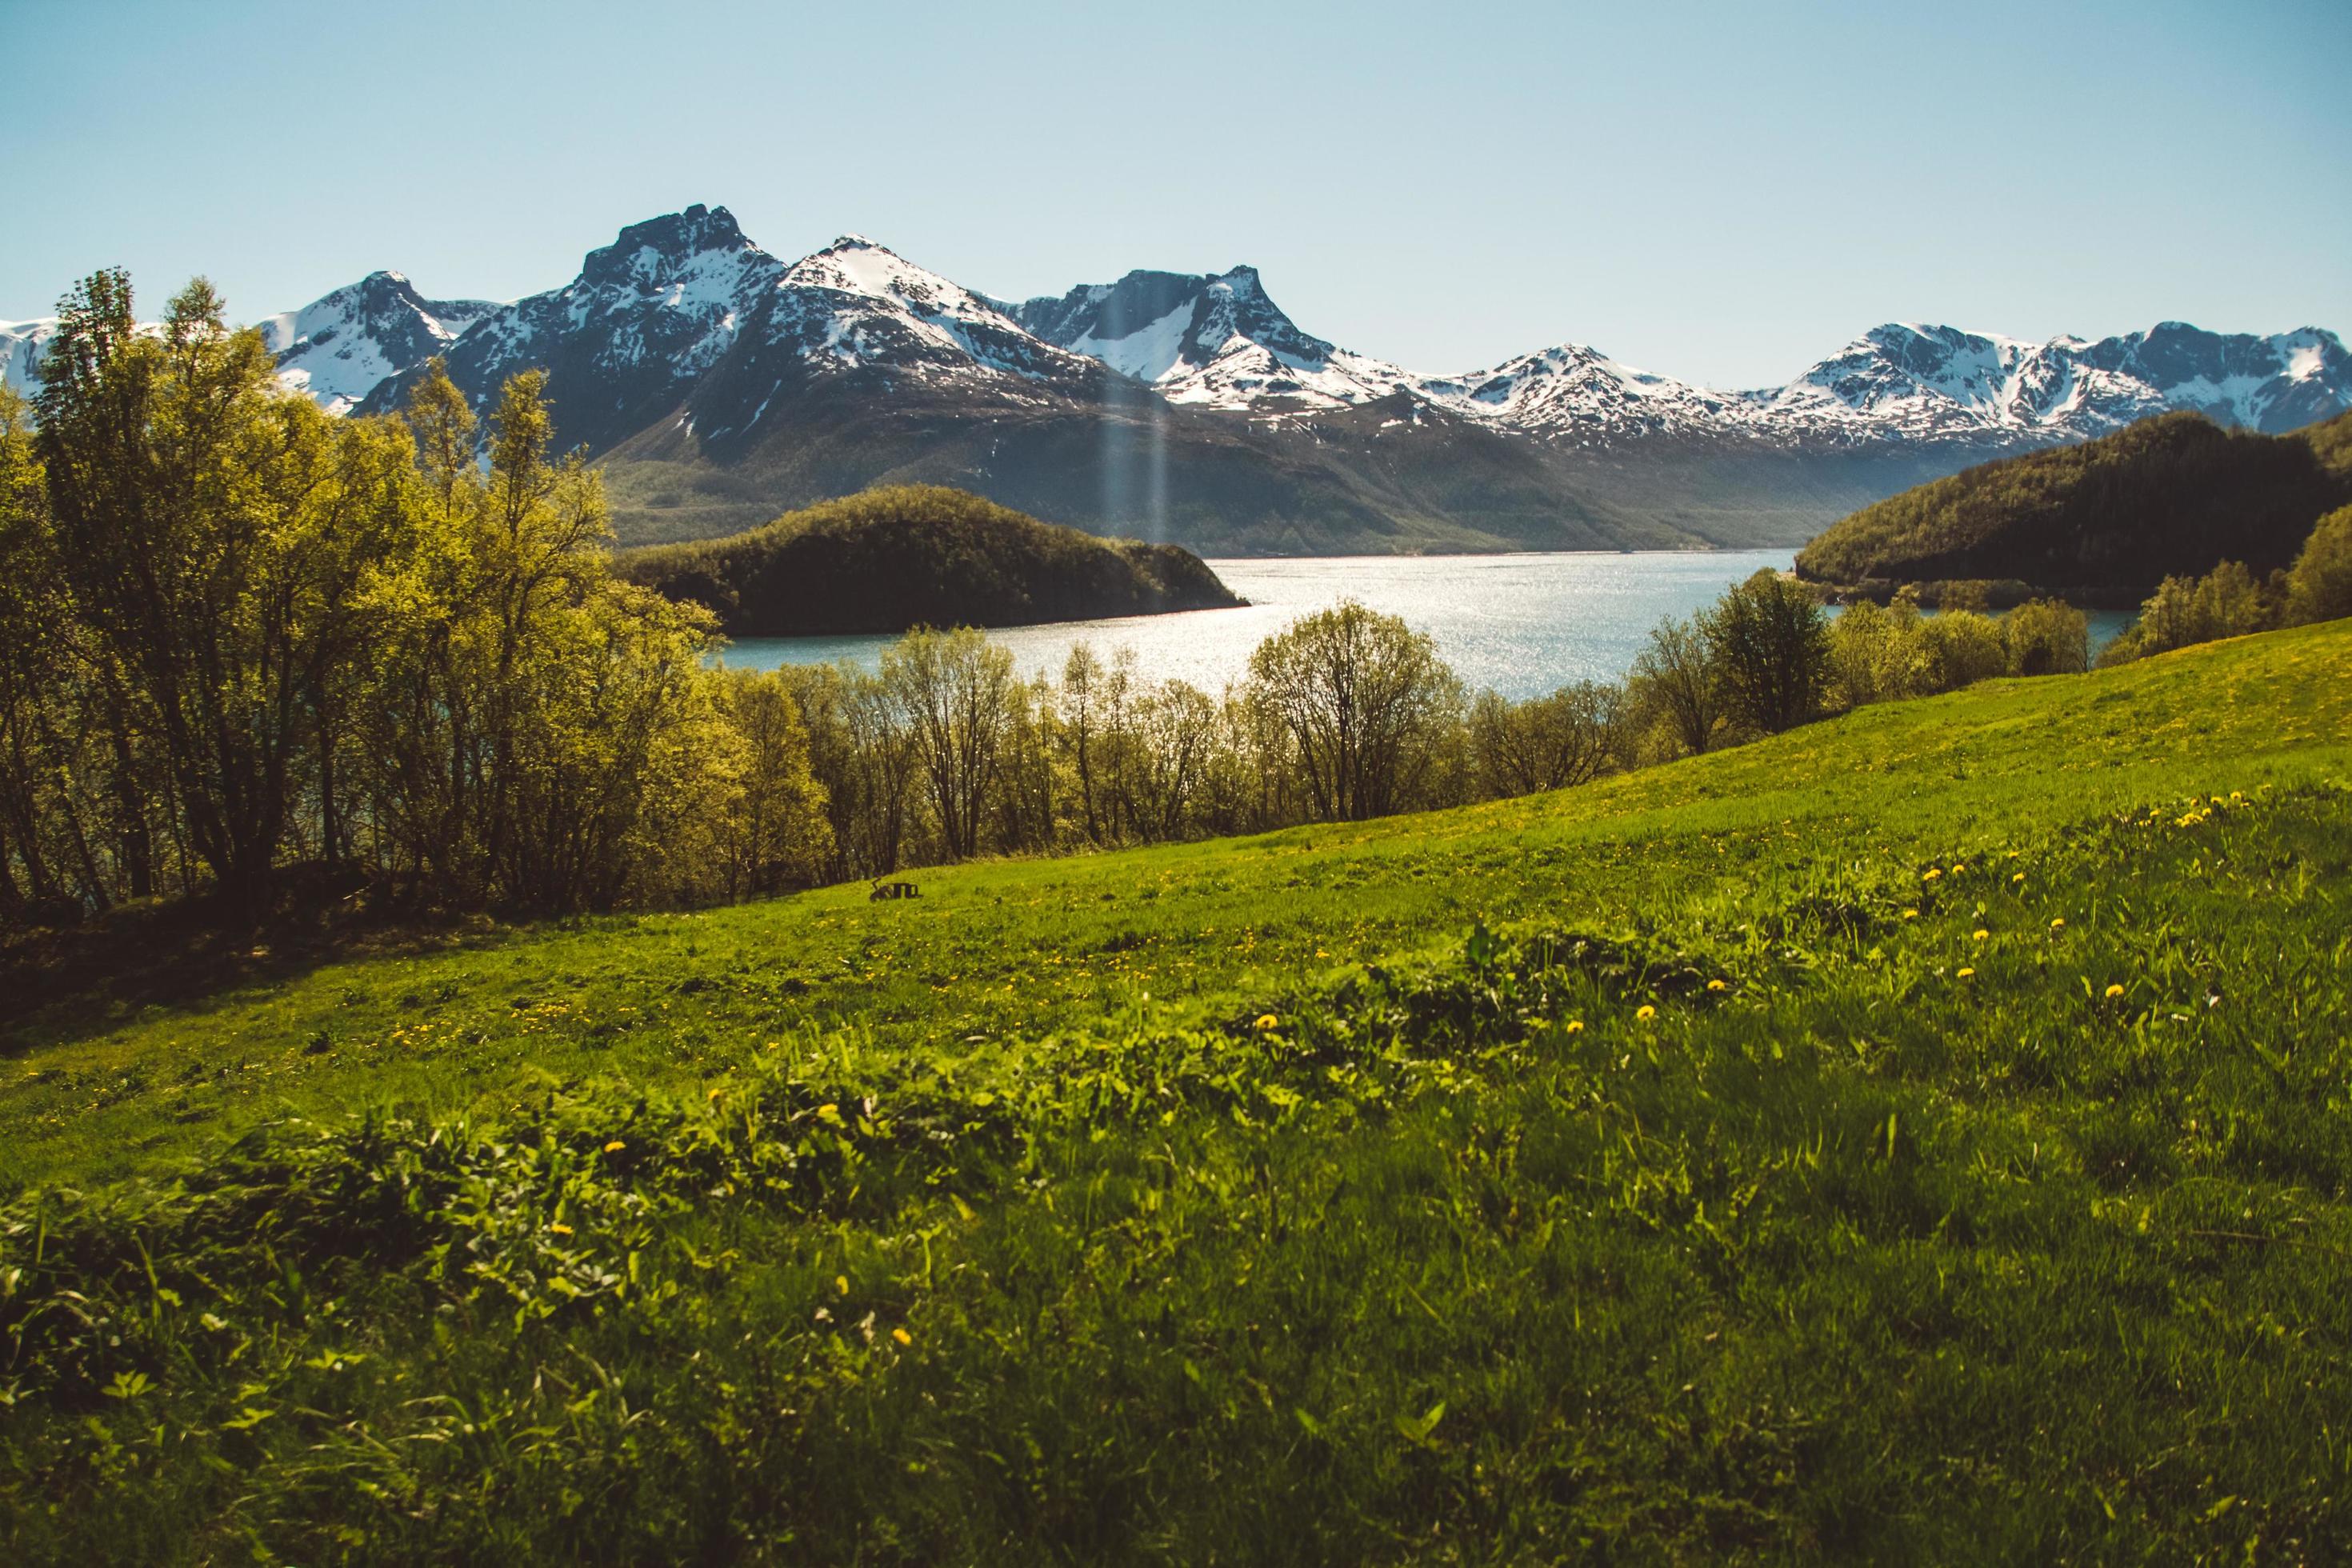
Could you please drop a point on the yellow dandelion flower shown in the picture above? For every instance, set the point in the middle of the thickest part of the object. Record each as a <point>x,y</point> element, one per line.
<point>1967,974</point>
<point>1910,914</point>
<point>1645,1012</point>
<point>1714,986</point>
<point>1267,1021</point>
<point>1576,1025</point>
<point>1930,875</point>
<point>2019,878</point>
<point>2058,924</point>
<point>1981,933</point>
<point>614,1147</point>
<point>1959,870</point>
<point>559,1228</point>
<point>773,1044</point>
<point>715,1093</point>
<point>902,1336</point>
<point>2114,992</point>
<point>841,1283</point>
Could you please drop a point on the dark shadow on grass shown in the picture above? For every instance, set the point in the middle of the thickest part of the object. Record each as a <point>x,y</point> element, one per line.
<point>62,985</point>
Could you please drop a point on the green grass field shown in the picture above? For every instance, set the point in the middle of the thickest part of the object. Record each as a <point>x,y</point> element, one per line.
<point>1923,1136</point>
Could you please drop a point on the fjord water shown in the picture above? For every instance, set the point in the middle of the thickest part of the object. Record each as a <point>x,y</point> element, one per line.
<point>1522,624</point>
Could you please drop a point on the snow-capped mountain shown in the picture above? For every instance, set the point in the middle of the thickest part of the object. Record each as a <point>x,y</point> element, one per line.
<point>685,318</point>
<point>1217,341</point>
<point>337,347</point>
<point>719,382</point>
<point>623,341</point>
<point>20,354</point>
<point>1909,381</point>
<point>856,304</point>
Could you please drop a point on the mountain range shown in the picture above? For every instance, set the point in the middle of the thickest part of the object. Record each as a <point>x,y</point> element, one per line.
<point>720,385</point>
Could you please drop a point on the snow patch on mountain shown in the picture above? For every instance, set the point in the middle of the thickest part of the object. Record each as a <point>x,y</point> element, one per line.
<point>337,347</point>
<point>21,343</point>
<point>1214,340</point>
<point>856,304</point>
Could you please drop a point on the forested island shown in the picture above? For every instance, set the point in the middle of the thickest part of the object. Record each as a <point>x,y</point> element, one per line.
<point>902,556</point>
<point>2102,524</point>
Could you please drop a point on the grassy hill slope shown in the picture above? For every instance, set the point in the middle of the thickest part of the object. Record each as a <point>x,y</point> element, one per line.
<point>912,555</point>
<point>1922,1135</point>
<point>2103,523</point>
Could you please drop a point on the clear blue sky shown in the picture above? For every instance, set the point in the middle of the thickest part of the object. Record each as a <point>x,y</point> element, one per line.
<point>1719,192</point>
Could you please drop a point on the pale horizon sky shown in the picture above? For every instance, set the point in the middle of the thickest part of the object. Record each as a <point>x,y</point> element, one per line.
<point>1721,192</point>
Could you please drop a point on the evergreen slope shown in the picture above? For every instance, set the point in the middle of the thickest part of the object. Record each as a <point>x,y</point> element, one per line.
<point>915,555</point>
<point>2103,523</point>
<point>1918,1137</point>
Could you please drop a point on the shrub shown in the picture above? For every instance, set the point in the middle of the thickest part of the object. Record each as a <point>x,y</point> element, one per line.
<point>2046,636</point>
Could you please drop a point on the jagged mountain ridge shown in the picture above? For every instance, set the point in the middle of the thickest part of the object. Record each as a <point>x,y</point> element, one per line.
<point>720,385</point>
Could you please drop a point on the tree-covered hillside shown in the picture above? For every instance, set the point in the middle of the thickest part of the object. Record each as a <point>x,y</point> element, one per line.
<point>2104,522</point>
<point>915,555</point>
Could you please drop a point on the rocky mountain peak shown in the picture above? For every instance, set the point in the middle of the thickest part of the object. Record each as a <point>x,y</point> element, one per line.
<point>648,253</point>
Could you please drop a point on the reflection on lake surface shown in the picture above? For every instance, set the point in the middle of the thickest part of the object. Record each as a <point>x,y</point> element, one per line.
<point>1524,625</point>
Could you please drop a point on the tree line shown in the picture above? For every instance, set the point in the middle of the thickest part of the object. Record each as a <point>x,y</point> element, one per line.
<point>249,646</point>
<point>2231,601</point>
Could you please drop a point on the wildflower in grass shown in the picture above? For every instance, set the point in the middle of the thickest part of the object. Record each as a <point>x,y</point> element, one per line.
<point>841,1283</point>
<point>1645,1012</point>
<point>1267,1021</point>
<point>559,1228</point>
<point>1968,973</point>
<point>2058,924</point>
<point>1930,875</point>
<point>2019,878</point>
<point>614,1147</point>
<point>1981,933</point>
<point>2114,992</point>
<point>1576,1025</point>
<point>1714,986</point>
<point>902,1336</point>
<point>1910,914</point>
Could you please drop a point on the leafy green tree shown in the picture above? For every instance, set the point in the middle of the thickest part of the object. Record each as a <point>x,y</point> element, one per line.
<point>1364,703</point>
<point>2319,585</point>
<point>1567,738</point>
<point>37,681</point>
<point>1674,684</point>
<point>1767,644</point>
<point>1172,733</point>
<point>957,690</point>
